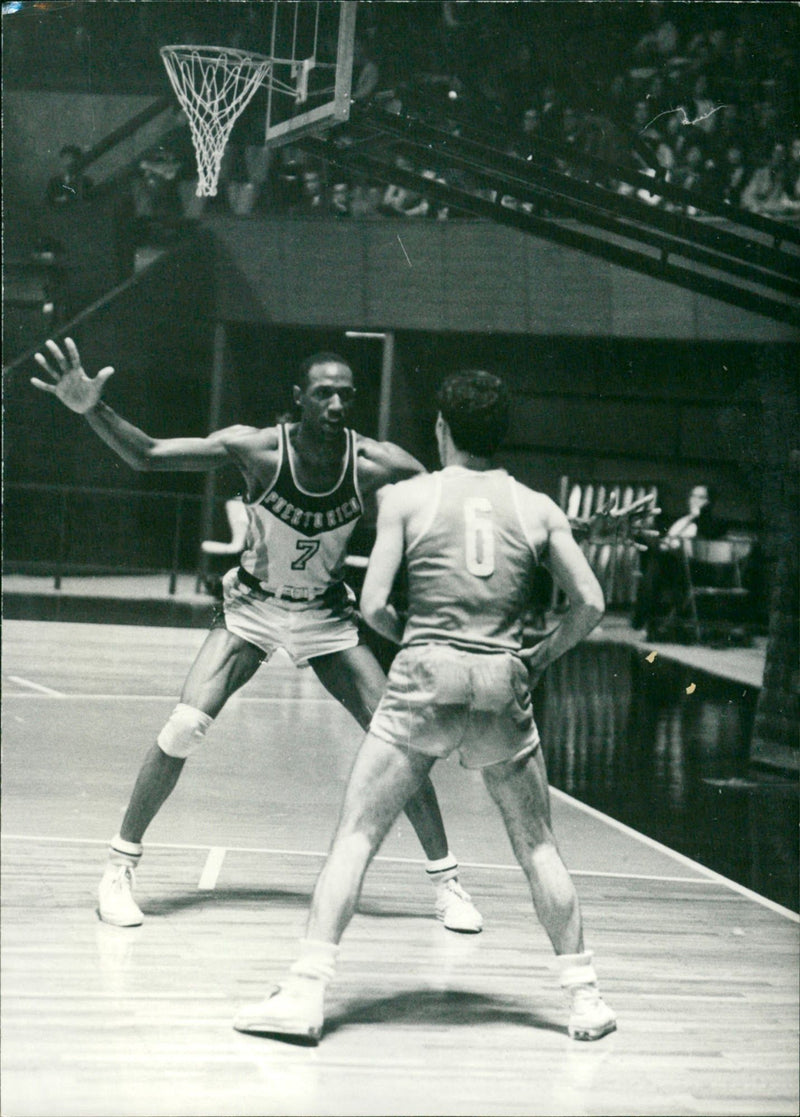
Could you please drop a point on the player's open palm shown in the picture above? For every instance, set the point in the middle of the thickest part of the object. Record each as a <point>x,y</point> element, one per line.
<point>76,390</point>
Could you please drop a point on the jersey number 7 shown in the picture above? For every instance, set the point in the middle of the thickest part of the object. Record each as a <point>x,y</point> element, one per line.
<point>307,548</point>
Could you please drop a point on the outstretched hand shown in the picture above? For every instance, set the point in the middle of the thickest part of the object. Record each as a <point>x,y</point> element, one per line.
<point>77,391</point>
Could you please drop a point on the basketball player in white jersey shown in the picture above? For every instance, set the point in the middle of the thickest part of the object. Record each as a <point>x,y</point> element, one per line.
<point>471,537</point>
<point>306,483</point>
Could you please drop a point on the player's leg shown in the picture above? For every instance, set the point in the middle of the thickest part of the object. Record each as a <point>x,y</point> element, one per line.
<point>382,779</point>
<point>355,678</point>
<point>520,790</point>
<point>224,663</point>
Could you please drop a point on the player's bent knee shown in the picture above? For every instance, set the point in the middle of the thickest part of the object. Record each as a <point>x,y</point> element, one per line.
<point>184,731</point>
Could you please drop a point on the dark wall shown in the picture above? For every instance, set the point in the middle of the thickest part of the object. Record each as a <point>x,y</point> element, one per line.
<point>605,409</point>
<point>157,333</point>
<point>612,410</point>
<point>463,276</point>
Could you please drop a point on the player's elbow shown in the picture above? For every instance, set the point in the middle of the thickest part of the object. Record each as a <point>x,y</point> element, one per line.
<point>589,596</point>
<point>371,605</point>
<point>368,609</point>
<point>148,459</point>
<point>138,459</point>
<point>594,614</point>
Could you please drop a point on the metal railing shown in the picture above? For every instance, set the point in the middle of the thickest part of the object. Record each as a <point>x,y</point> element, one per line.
<point>58,564</point>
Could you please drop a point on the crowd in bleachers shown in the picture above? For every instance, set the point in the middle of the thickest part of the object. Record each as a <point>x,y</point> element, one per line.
<point>704,99</point>
<point>702,96</point>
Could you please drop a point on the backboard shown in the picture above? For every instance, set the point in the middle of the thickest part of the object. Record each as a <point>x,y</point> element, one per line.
<point>302,77</point>
<point>310,81</point>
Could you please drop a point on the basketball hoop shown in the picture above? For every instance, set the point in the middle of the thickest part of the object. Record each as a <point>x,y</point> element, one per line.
<point>214,86</point>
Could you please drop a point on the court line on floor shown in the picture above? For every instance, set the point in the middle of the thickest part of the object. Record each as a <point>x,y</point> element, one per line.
<point>47,690</point>
<point>681,858</point>
<point>271,851</point>
<point>211,869</point>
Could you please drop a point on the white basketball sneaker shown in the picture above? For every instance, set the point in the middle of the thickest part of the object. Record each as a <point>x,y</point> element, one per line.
<point>291,1010</point>
<point>589,1017</point>
<point>456,910</point>
<point>116,904</point>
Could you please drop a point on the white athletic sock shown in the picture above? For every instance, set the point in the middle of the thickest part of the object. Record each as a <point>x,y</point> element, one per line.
<point>121,852</point>
<point>442,870</point>
<point>576,969</point>
<point>317,960</point>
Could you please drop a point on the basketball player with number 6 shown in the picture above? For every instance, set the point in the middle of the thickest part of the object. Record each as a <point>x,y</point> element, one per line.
<point>471,537</point>
<point>306,483</point>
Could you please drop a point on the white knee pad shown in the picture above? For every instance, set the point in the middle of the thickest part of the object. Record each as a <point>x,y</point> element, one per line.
<point>184,731</point>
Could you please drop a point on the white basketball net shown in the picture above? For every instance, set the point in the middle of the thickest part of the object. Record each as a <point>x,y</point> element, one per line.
<point>214,85</point>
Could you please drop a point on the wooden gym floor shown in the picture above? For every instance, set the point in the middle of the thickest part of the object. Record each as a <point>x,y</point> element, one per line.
<point>101,1021</point>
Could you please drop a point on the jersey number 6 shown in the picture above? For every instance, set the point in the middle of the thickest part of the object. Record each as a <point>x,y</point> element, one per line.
<point>478,536</point>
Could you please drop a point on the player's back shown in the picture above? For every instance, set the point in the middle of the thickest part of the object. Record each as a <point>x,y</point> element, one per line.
<point>469,560</point>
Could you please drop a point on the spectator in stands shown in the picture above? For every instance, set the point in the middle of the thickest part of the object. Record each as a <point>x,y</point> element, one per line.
<point>656,97</point>
<point>366,72</point>
<point>397,201</point>
<point>793,178</point>
<point>531,128</point>
<point>663,586</point>
<point>340,199</point>
<point>740,77</point>
<point>70,184</point>
<point>313,196</point>
<point>645,128</point>
<point>235,179</point>
<point>729,131</point>
<point>676,134</point>
<point>702,112</point>
<point>551,113</point>
<point>731,176</point>
<point>289,179</point>
<point>156,199</point>
<point>661,41</point>
<point>766,191</point>
<point>766,122</point>
<point>49,256</point>
<point>691,172</point>
<point>365,198</point>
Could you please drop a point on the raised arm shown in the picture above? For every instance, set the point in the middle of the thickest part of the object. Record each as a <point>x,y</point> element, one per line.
<point>384,562</point>
<point>572,573</point>
<point>82,394</point>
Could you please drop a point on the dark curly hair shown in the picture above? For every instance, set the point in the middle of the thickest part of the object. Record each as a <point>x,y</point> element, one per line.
<point>321,358</point>
<point>475,406</point>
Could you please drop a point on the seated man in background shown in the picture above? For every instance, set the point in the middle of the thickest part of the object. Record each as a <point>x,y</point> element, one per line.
<point>471,537</point>
<point>663,584</point>
<point>70,184</point>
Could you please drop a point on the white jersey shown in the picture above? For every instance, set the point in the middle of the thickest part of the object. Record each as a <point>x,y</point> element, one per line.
<point>297,540</point>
